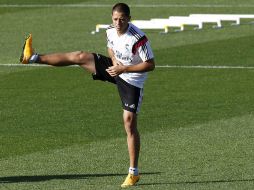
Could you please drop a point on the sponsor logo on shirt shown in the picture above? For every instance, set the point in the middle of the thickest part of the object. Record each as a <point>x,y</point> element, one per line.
<point>120,56</point>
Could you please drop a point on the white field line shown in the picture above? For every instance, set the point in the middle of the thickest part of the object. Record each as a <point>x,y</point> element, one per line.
<point>109,5</point>
<point>157,66</point>
<point>204,67</point>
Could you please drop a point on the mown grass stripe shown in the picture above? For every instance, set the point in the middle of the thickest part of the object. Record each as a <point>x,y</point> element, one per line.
<point>158,66</point>
<point>110,5</point>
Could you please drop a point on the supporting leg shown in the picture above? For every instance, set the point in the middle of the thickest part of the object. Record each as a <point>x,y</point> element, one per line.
<point>133,138</point>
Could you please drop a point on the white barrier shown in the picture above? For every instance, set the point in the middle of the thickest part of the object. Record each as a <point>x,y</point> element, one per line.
<point>168,23</point>
<point>142,24</point>
<point>207,19</point>
<point>182,21</point>
<point>101,26</point>
<point>149,24</point>
<point>159,23</point>
<point>224,17</point>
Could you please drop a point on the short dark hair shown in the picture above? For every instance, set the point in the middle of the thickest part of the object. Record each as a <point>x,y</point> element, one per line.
<point>121,7</point>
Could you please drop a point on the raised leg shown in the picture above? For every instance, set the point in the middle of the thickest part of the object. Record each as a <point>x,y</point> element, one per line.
<point>83,59</point>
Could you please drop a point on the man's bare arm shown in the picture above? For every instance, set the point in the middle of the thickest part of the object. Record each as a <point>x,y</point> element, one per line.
<point>118,69</point>
<point>112,56</point>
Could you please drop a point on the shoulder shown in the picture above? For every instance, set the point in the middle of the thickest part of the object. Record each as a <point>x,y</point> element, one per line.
<point>135,32</point>
<point>110,29</point>
<point>111,26</point>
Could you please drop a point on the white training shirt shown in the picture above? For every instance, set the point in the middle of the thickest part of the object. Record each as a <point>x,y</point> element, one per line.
<point>130,48</point>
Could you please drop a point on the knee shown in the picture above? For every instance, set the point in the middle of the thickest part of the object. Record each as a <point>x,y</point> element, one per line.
<point>130,123</point>
<point>80,57</point>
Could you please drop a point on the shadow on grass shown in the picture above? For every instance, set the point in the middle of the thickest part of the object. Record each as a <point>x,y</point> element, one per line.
<point>41,178</point>
<point>198,182</point>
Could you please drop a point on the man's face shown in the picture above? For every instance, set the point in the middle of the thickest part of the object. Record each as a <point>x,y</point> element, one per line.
<point>120,21</point>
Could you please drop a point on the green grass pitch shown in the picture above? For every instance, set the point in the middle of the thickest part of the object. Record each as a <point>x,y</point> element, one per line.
<point>61,130</point>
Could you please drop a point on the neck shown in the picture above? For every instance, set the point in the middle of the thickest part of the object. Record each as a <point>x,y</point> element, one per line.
<point>123,31</point>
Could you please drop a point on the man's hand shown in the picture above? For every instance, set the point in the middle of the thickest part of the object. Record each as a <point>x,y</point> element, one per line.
<point>116,70</point>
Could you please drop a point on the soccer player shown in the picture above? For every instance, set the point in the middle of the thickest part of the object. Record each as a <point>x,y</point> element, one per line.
<point>130,58</point>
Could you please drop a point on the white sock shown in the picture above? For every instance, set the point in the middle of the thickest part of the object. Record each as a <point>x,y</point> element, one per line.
<point>34,58</point>
<point>133,171</point>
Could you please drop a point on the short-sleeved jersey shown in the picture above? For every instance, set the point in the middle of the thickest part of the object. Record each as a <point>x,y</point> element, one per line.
<point>130,48</point>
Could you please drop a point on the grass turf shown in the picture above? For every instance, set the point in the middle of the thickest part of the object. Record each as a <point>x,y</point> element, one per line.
<point>207,156</point>
<point>60,130</point>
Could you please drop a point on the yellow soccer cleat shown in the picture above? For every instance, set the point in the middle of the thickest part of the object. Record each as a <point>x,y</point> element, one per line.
<point>27,51</point>
<point>130,180</point>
